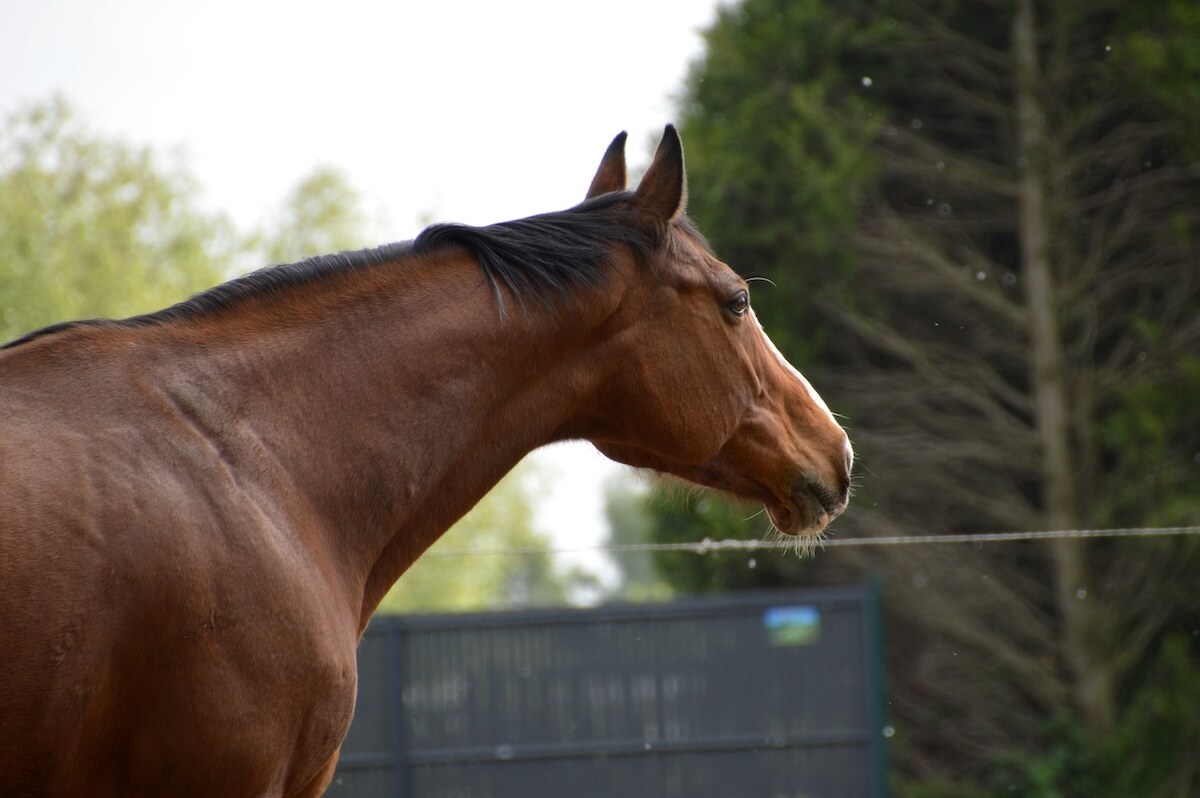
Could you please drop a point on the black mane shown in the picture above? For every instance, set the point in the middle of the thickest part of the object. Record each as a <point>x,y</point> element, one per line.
<point>545,257</point>
<point>548,255</point>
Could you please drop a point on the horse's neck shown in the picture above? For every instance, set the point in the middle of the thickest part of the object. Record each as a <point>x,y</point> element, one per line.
<point>392,426</point>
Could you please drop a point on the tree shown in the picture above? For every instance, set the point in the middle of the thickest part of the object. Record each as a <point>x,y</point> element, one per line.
<point>322,214</point>
<point>462,570</point>
<point>91,226</point>
<point>630,524</point>
<point>981,222</point>
<point>1063,225</point>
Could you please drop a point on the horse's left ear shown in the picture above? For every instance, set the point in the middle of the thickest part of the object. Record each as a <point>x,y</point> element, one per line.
<point>663,190</point>
<point>611,174</point>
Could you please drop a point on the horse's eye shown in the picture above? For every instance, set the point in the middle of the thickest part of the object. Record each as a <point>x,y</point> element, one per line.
<point>739,304</point>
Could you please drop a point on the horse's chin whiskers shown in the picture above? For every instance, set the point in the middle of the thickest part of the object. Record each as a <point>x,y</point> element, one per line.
<point>800,546</point>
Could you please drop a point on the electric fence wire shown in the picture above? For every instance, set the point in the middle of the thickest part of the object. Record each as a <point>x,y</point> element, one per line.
<point>709,546</point>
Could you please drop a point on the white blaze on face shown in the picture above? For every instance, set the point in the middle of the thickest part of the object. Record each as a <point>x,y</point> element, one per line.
<point>816,397</point>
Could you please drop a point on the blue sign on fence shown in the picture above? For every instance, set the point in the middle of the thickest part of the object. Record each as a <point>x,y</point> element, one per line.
<point>793,626</point>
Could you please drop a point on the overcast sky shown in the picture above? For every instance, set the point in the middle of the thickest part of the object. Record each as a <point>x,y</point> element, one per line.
<point>474,112</point>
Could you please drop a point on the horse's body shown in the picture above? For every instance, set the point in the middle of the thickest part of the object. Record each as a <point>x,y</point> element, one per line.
<point>201,508</point>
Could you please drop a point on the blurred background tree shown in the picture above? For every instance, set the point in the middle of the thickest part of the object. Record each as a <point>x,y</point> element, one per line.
<point>487,581</point>
<point>322,214</point>
<point>638,577</point>
<point>981,222</point>
<point>92,227</point>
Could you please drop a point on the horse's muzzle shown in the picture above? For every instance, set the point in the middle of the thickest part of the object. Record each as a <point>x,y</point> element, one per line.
<point>809,507</point>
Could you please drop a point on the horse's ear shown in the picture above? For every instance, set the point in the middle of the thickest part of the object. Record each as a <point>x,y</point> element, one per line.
<point>611,174</point>
<point>663,190</point>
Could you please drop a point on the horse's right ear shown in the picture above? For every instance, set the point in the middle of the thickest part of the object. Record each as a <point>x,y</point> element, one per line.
<point>663,190</point>
<point>611,174</point>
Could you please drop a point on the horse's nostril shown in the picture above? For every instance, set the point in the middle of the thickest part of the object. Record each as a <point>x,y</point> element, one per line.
<point>830,500</point>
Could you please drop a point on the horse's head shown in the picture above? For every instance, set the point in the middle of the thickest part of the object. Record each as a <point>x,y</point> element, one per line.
<point>700,391</point>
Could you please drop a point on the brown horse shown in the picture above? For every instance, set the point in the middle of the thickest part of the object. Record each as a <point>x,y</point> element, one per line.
<point>201,507</point>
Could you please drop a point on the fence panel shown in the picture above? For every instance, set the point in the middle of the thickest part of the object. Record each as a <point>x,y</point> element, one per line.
<point>775,694</point>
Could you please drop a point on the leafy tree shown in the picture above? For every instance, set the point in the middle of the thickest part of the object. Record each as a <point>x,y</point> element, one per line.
<point>981,220</point>
<point>91,226</point>
<point>322,214</point>
<point>462,572</point>
<point>763,99</point>
<point>630,524</point>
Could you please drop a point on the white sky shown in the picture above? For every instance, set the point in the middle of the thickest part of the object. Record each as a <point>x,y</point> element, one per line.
<point>474,112</point>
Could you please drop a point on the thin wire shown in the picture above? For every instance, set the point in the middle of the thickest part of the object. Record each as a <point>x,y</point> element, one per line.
<point>708,545</point>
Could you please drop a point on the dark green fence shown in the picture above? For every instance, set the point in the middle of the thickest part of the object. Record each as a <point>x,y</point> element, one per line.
<point>753,696</point>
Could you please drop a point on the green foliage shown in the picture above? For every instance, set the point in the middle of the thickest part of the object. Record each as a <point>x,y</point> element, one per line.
<point>1062,764</point>
<point>1157,50</point>
<point>690,517</point>
<point>939,789</point>
<point>632,523</point>
<point>1160,728</point>
<point>777,128</point>
<point>322,214</point>
<point>1141,756</point>
<point>458,573</point>
<point>91,226</point>
<point>1151,436</point>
